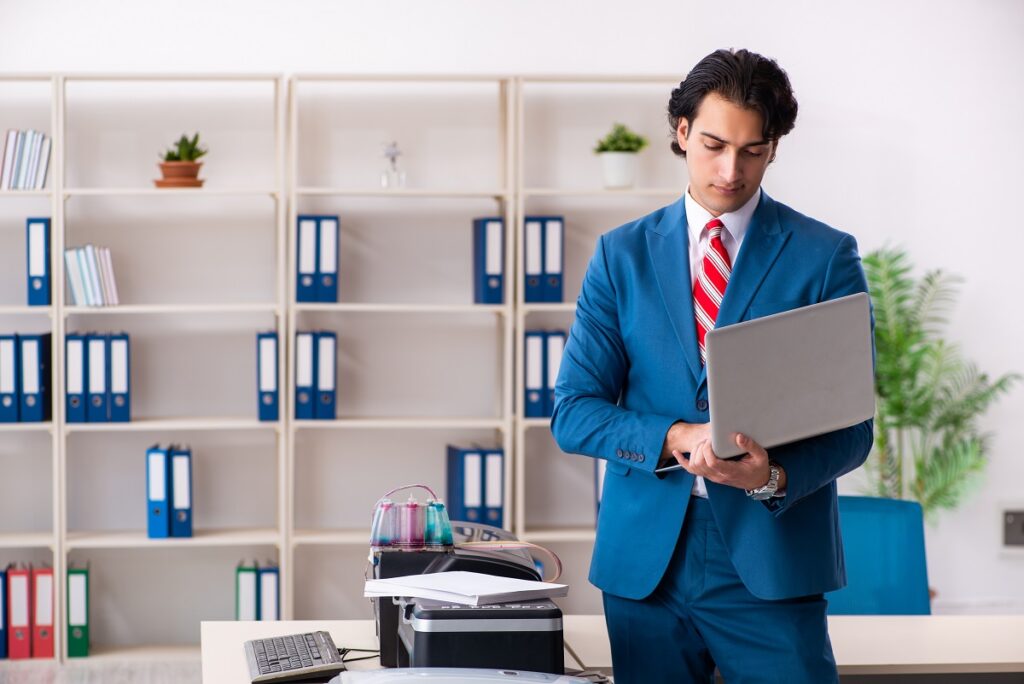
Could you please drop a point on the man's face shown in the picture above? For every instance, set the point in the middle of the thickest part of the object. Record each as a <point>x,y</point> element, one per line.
<point>725,152</point>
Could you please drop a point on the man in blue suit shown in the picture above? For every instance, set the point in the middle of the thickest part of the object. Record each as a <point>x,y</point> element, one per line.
<point>724,562</point>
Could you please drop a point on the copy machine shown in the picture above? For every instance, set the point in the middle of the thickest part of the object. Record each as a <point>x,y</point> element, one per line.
<point>420,633</point>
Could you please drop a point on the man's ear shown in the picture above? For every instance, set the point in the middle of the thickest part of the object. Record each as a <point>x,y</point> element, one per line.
<point>682,131</point>
<point>775,150</point>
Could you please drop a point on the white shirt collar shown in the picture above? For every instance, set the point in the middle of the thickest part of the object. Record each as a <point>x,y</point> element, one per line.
<point>736,222</point>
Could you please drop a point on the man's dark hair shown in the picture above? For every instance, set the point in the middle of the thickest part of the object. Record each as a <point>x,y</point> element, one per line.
<point>742,77</point>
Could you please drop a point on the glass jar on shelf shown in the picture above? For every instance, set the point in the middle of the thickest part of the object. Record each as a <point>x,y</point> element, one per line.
<point>392,176</point>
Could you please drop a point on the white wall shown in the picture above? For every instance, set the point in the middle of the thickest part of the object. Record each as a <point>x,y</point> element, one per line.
<point>907,134</point>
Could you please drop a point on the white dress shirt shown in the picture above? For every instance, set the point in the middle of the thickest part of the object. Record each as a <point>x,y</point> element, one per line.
<point>735,223</point>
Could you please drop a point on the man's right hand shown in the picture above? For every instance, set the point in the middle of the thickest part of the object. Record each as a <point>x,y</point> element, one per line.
<point>684,438</point>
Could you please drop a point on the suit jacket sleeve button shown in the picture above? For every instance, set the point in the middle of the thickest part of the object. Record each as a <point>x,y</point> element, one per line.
<point>702,405</point>
<point>640,457</point>
<point>618,452</point>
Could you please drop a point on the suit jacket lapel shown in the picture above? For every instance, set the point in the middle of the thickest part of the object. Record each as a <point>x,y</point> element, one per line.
<point>760,248</point>
<point>669,247</point>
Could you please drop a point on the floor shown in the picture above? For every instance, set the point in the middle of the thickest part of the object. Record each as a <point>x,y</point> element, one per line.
<point>176,672</point>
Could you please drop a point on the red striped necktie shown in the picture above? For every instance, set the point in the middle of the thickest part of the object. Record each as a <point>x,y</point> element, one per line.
<point>709,288</point>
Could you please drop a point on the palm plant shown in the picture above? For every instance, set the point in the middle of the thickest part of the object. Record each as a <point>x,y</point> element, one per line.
<point>927,443</point>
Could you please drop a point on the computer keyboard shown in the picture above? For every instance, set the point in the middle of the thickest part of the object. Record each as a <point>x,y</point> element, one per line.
<point>293,658</point>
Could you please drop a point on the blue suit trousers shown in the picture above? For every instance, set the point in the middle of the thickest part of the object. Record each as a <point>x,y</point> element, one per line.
<point>701,615</point>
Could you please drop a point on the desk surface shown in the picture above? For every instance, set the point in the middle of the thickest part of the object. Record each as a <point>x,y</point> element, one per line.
<point>865,645</point>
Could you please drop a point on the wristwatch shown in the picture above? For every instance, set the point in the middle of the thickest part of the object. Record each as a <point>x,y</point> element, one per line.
<point>767,490</point>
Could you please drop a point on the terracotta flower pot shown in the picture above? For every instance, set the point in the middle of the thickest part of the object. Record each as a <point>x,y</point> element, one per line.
<point>179,174</point>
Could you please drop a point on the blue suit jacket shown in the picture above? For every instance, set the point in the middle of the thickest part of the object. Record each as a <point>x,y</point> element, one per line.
<point>631,368</point>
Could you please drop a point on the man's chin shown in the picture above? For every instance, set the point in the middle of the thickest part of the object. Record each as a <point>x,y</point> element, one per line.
<point>722,205</point>
<point>718,205</point>
<point>719,208</point>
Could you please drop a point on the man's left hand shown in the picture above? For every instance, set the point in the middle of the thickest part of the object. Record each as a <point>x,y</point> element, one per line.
<point>748,471</point>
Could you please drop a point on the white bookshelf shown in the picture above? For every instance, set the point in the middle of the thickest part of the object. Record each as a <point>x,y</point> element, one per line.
<point>183,320</point>
<point>668,193</point>
<point>143,424</point>
<point>77,205</point>
<point>27,540</point>
<point>453,193</point>
<point>564,307</point>
<point>406,308</point>
<point>26,427</point>
<point>139,540</point>
<point>559,534</point>
<point>410,429</point>
<point>169,192</point>
<point>167,309</point>
<point>24,193</point>
<point>331,538</point>
<point>32,101</point>
<point>453,423</point>
<point>26,311</point>
<point>420,365</point>
<point>557,179</point>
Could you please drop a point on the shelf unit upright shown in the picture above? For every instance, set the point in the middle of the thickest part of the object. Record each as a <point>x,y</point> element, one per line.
<point>353,535</point>
<point>41,542</point>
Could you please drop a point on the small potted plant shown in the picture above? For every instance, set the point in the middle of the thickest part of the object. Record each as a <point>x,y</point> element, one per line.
<point>179,166</point>
<point>618,152</point>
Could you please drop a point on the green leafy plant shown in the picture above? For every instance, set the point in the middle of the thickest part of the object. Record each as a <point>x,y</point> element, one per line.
<point>621,139</point>
<point>185,149</point>
<point>927,443</point>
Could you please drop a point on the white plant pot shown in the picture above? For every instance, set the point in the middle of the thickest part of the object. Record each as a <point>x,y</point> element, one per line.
<point>619,169</point>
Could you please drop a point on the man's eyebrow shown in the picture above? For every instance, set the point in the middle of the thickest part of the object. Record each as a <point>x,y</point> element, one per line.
<point>726,142</point>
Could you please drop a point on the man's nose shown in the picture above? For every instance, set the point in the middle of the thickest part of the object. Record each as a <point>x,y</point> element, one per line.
<point>730,169</point>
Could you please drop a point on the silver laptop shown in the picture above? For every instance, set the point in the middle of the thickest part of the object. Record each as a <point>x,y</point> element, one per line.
<point>792,375</point>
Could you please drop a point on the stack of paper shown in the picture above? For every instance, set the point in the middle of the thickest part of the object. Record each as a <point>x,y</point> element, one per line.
<point>467,588</point>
